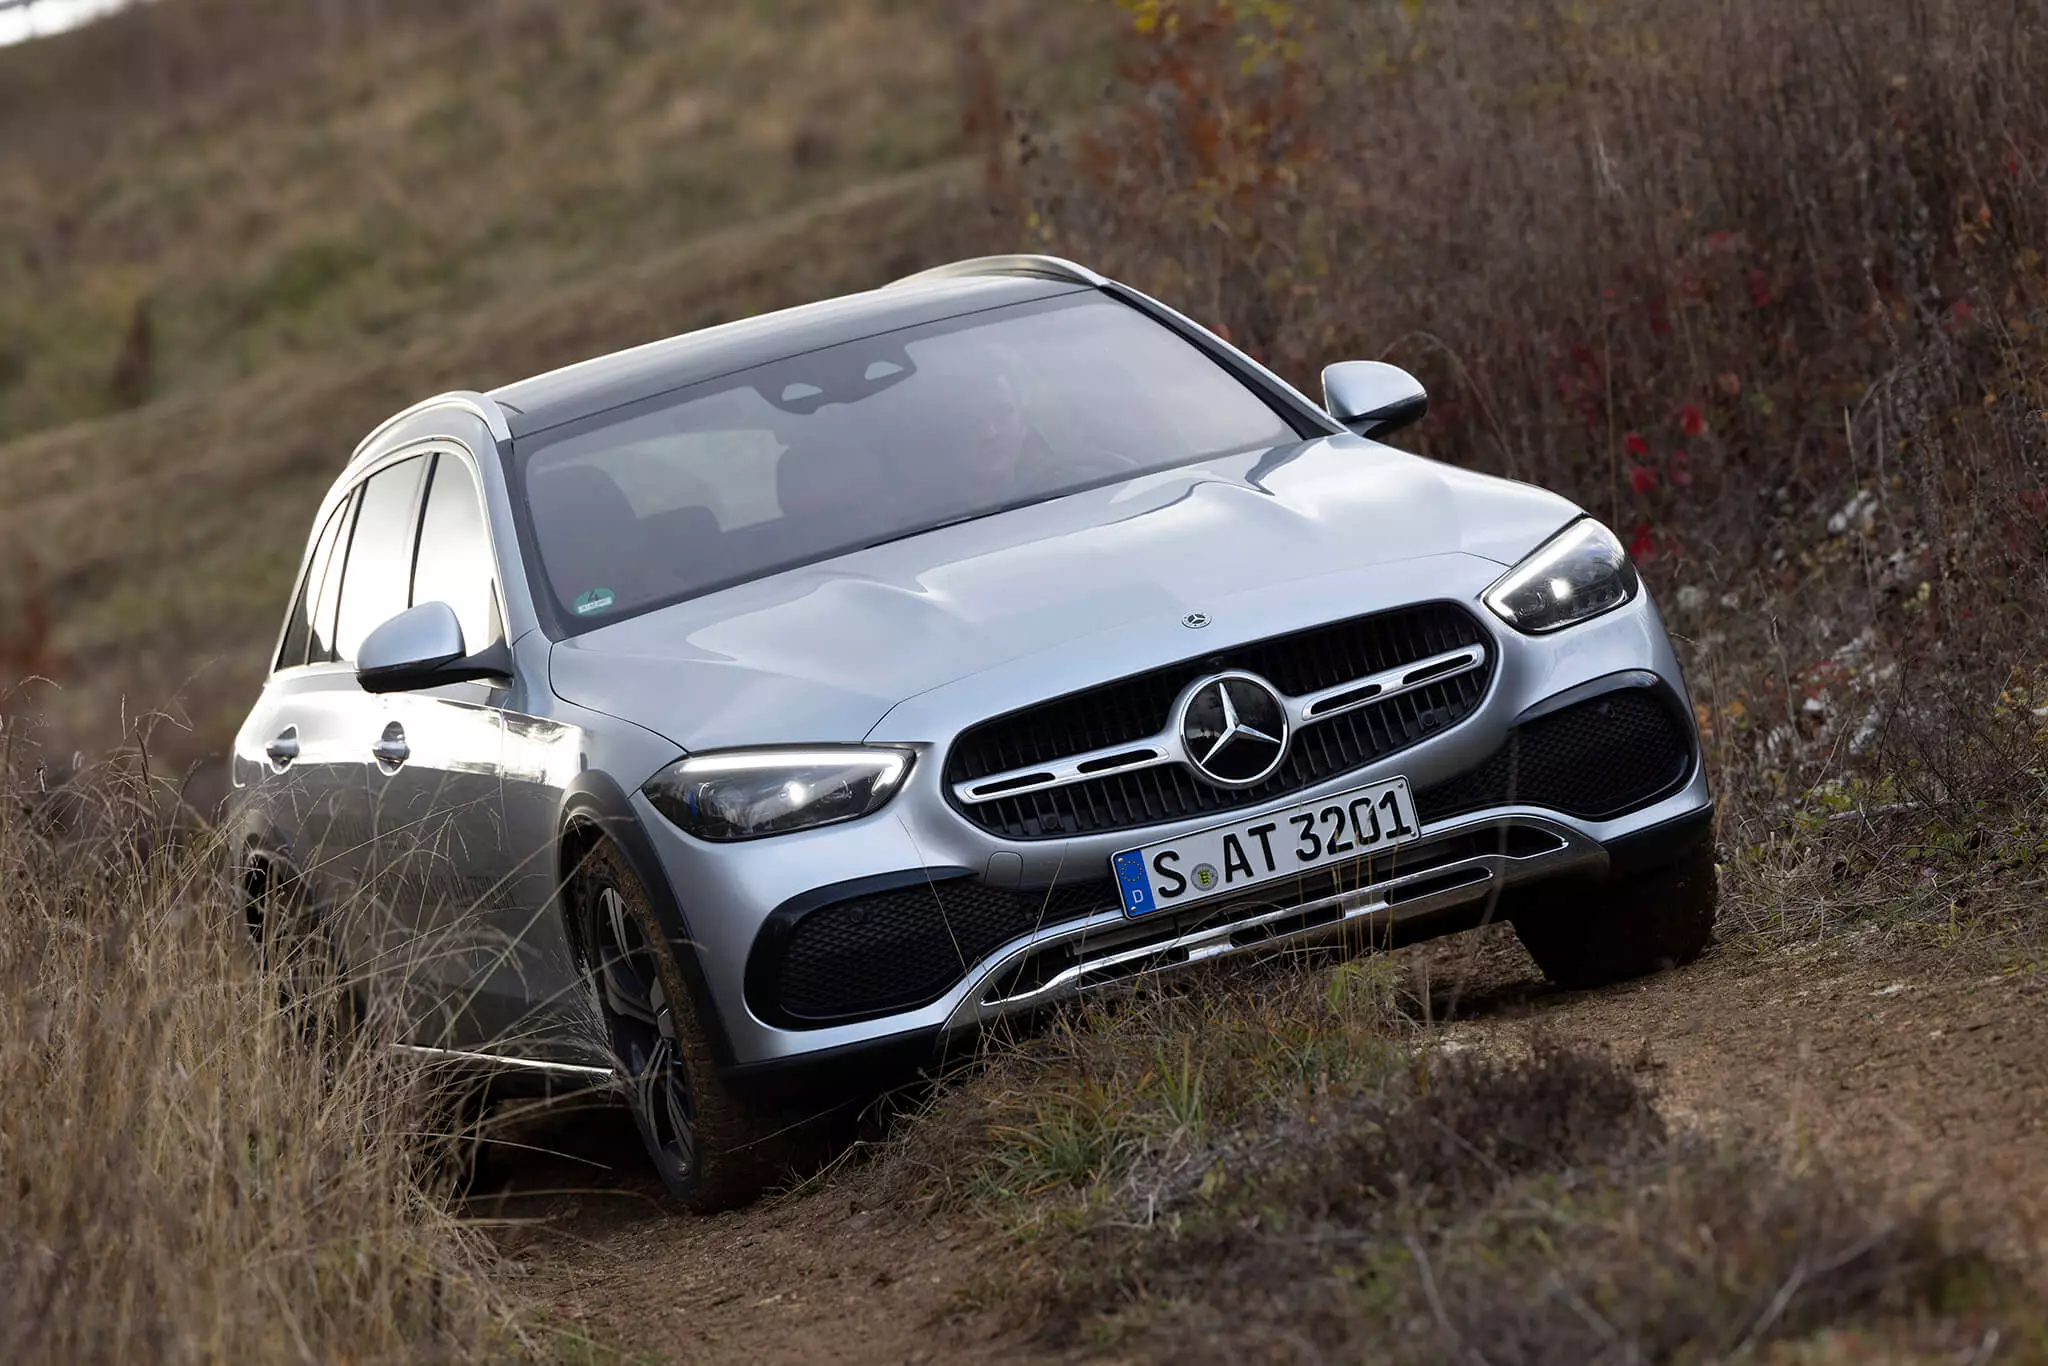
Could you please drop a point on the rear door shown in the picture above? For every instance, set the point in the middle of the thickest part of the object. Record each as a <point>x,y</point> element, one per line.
<point>294,750</point>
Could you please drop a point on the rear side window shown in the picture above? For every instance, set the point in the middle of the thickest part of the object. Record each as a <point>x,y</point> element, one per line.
<point>320,646</point>
<point>454,561</point>
<point>377,581</point>
<point>298,631</point>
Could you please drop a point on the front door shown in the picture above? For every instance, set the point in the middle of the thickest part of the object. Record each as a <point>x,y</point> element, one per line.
<point>444,867</point>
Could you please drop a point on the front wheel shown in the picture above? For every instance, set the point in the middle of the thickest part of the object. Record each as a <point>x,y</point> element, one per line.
<point>1662,918</point>
<point>712,1148</point>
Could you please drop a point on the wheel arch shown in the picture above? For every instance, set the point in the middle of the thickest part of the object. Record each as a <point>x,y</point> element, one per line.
<point>596,810</point>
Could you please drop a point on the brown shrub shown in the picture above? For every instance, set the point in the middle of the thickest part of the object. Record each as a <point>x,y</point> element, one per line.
<point>1760,284</point>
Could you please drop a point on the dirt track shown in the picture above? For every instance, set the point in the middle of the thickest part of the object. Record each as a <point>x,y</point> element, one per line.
<point>1930,1082</point>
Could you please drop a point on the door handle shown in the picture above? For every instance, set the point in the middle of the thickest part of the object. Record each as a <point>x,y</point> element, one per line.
<point>391,747</point>
<point>284,747</point>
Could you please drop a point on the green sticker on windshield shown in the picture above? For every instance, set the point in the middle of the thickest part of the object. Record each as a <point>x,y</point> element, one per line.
<point>596,600</point>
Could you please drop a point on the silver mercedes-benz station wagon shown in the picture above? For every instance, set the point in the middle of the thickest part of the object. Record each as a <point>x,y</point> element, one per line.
<point>742,718</point>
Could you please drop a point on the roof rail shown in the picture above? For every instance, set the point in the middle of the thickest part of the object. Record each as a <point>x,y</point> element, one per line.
<point>482,405</point>
<point>1035,267</point>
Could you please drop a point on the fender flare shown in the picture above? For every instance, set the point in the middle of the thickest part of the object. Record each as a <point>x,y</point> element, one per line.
<point>595,806</point>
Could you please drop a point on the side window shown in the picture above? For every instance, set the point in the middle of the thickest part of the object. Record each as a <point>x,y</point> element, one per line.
<point>376,581</point>
<point>454,562</point>
<point>296,634</point>
<point>320,645</point>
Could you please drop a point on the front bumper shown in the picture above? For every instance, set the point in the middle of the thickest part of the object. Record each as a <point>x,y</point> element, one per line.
<point>736,898</point>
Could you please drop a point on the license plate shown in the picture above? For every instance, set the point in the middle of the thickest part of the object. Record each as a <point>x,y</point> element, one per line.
<point>1231,858</point>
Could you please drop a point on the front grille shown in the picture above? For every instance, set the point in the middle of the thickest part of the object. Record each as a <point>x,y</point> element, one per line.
<point>902,948</point>
<point>1595,759</point>
<point>1135,708</point>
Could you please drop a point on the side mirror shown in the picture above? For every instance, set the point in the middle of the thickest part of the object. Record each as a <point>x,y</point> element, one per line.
<point>1373,398</point>
<point>422,647</point>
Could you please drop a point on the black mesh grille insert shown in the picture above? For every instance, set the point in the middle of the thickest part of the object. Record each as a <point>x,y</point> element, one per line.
<point>1593,759</point>
<point>1135,708</point>
<point>899,949</point>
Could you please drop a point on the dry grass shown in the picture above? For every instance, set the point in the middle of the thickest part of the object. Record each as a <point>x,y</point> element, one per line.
<point>1290,1165</point>
<point>188,1170</point>
<point>1514,1211</point>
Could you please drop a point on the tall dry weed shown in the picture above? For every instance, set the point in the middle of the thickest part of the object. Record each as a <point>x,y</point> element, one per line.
<point>192,1166</point>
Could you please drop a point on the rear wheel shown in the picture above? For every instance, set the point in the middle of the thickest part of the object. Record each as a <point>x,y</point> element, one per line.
<point>297,947</point>
<point>711,1147</point>
<point>1662,918</point>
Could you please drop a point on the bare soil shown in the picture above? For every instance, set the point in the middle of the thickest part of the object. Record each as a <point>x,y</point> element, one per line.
<point>1933,1082</point>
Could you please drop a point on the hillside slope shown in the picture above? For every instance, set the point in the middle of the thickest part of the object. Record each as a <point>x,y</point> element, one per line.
<point>216,277</point>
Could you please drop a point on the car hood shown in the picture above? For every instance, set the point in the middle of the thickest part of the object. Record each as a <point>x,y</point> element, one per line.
<point>822,652</point>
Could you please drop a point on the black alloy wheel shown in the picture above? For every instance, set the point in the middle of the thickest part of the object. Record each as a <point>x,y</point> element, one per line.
<point>641,1023</point>
<point>712,1147</point>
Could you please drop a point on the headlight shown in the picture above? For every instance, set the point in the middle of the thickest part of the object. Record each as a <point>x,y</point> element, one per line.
<point>743,794</point>
<point>1578,573</point>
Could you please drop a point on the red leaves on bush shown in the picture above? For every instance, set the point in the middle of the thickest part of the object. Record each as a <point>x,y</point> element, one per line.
<point>1681,470</point>
<point>1690,420</point>
<point>1759,287</point>
<point>1636,444</point>
<point>1642,545</point>
<point>1642,478</point>
<point>1581,383</point>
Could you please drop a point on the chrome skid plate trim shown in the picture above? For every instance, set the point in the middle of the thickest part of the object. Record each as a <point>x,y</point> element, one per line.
<point>1468,879</point>
<point>1166,747</point>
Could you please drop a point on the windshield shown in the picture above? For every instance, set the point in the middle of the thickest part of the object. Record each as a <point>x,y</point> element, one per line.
<point>869,441</point>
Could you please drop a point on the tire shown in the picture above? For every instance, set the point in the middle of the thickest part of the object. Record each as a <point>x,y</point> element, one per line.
<point>1658,919</point>
<point>297,947</point>
<point>712,1148</point>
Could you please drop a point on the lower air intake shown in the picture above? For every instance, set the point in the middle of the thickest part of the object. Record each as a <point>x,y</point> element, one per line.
<point>1595,760</point>
<point>903,948</point>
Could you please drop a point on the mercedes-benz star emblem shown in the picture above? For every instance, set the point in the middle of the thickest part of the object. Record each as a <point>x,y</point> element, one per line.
<point>1233,729</point>
<point>1195,620</point>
